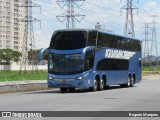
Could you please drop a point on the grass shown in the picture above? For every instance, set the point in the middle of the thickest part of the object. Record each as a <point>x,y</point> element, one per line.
<point>150,72</point>
<point>150,69</point>
<point>8,75</point>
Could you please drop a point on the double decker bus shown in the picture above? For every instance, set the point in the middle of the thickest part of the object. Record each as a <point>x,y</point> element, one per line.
<point>94,59</point>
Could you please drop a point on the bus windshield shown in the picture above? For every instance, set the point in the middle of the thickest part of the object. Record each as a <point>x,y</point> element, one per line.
<point>69,40</point>
<point>65,64</point>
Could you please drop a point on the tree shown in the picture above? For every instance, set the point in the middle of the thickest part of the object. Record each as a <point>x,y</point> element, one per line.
<point>45,55</point>
<point>36,52</point>
<point>8,55</point>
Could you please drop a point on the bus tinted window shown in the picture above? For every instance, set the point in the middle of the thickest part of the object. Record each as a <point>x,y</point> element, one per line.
<point>113,41</point>
<point>106,40</point>
<point>113,64</point>
<point>92,36</point>
<point>69,40</point>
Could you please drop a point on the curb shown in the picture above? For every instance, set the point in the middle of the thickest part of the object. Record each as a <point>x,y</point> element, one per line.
<point>33,85</point>
<point>151,77</point>
<point>23,86</point>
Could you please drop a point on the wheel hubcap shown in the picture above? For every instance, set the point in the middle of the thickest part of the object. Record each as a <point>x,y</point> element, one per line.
<point>102,85</point>
<point>129,82</point>
<point>95,84</point>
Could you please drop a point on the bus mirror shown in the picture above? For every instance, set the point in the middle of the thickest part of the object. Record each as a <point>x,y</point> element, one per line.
<point>42,52</point>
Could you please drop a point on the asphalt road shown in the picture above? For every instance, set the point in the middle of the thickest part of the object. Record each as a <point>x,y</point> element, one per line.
<point>144,96</point>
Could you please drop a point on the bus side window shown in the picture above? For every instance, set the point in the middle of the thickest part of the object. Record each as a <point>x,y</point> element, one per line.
<point>89,59</point>
<point>119,45</point>
<point>92,38</point>
<point>100,41</point>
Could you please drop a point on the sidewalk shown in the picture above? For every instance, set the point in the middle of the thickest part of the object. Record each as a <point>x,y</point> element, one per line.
<point>151,77</point>
<point>23,86</point>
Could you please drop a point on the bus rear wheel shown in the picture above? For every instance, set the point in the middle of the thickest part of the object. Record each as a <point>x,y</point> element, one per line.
<point>128,84</point>
<point>94,88</point>
<point>71,89</point>
<point>101,85</point>
<point>63,90</point>
<point>132,82</point>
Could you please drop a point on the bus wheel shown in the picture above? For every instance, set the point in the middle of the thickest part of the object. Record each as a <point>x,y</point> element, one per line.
<point>94,88</point>
<point>132,82</point>
<point>71,89</point>
<point>63,90</point>
<point>129,82</point>
<point>101,85</point>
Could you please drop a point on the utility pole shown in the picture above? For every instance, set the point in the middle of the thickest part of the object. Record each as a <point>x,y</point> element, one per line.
<point>146,47</point>
<point>129,24</point>
<point>28,40</point>
<point>70,15</point>
<point>154,49</point>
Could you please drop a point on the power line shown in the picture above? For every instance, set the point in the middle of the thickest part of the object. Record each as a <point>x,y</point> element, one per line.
<point>28,40</point>
<point>70,15</point>
<point>154,42</point>
<point>129,24</point>
<point>146,48</point>
<point>102,7</point>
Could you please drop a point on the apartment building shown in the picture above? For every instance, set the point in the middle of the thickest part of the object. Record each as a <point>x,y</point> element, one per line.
<point>11,29</point>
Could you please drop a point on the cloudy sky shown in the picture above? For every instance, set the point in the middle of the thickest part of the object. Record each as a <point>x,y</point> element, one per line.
<point>107,12</point>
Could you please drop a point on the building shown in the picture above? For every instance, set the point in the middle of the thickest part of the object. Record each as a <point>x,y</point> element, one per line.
<point>11,29</point>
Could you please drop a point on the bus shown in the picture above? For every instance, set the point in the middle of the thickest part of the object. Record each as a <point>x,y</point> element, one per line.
<point>93,59</point>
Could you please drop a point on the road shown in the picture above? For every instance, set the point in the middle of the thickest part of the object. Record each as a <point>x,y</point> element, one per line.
<point>143,96</point>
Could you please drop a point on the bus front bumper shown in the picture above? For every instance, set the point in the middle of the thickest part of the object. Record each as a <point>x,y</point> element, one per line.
<point>66,83</point>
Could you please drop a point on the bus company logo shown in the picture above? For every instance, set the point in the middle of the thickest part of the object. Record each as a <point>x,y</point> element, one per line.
<point>110,53</point>
<point>6,114</point>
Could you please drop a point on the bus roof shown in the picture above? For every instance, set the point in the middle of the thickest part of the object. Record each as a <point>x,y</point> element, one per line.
<point>103,31</point>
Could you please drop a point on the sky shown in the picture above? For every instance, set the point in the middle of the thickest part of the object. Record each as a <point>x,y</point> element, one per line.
<point>106,12</point>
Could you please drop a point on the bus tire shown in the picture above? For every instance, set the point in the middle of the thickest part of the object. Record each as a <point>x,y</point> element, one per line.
<point>72,89</point>
<point>101,85</point>
<point>94,88</point>
<point>132,82</point>
<point>104,83</point>
<point>63,90</point>
<point>128,84</point>
<point>129,81</point>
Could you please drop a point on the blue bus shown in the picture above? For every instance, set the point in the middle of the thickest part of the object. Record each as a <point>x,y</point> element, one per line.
<point>94,59</point>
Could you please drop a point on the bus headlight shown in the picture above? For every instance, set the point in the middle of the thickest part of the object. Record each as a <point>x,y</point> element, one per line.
<point>79,78</point>
<point>50,78</point>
